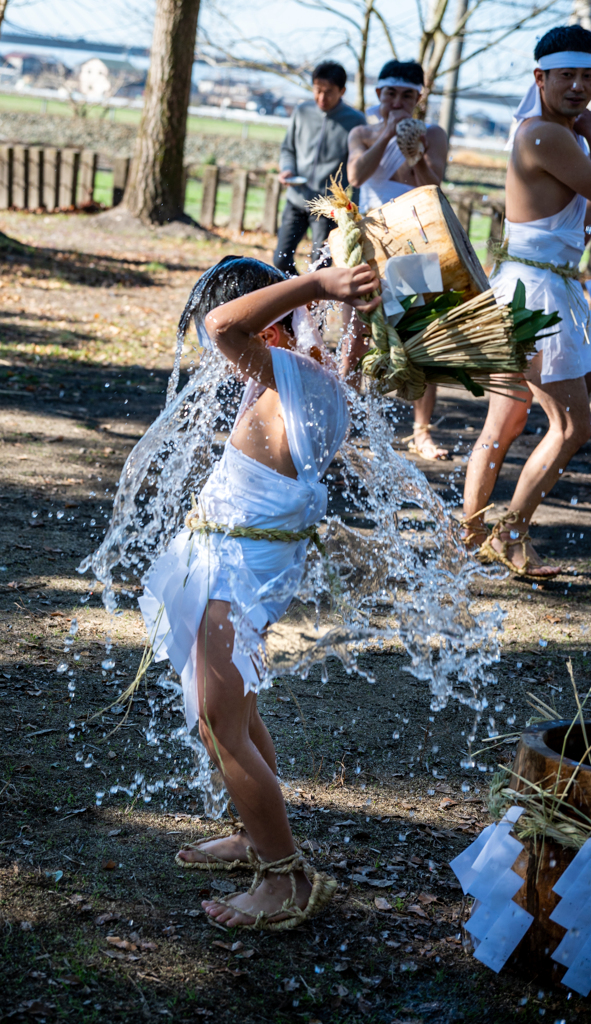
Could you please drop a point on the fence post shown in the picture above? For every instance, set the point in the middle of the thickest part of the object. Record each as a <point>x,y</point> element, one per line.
<point>464,213</point>
<point>209,180</point>
<point>238,201</point>
<point>35,177</point>
<point>20,177</point>
<point>271,210</point>
<point>120,174</point>
<point>68,178</point>
<point>52,160</point>
<point>86,176</point>
<point>6,156</point>
<point>496,223</point>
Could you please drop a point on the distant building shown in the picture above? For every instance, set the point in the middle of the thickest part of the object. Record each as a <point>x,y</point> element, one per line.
<point>29,68</point>
<point>100,79</point>
<point>237,95</point>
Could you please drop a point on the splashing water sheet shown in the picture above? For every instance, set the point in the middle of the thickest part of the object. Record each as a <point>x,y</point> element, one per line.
<point>380,581</point>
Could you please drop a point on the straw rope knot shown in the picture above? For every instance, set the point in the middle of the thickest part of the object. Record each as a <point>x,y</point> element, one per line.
<point>387,361</point>
<point>196,522</point>
<point>501,254</point>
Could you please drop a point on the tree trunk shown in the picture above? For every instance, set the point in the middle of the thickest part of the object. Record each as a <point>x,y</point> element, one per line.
<point>3,6</point>
<point>154,191</point>
<point>361,60</point>
<point>447,114</point>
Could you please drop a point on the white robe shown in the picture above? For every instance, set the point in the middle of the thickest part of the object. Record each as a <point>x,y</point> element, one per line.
<point>258,577</point>
<point>380,189</point>
<point>558,239</point>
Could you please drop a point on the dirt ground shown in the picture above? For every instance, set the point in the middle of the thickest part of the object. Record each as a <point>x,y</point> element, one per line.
<point>96,922</point>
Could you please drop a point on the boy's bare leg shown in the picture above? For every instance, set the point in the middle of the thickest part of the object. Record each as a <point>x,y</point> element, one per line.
<point>226,715</point>
<point>505,420</point>
<point>230,848</point>
<point>423,411</point>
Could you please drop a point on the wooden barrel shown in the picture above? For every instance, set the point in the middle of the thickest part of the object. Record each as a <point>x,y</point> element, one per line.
<point>420,221</point>
<point>539,759</point>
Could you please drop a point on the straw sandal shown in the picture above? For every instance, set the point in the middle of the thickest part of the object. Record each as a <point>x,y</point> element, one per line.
<point>214,863</point>
<point>441,454</point>
<point>488,554</point>
<point>323,890</point>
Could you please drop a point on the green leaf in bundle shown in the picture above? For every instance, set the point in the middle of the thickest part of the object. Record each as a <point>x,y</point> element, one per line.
<point>536,322</point>
<point>464,379</point>
<point>416,320</point>
<point>518,301</point>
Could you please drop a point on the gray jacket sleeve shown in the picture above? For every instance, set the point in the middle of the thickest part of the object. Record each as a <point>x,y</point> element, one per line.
<point>287,159</point>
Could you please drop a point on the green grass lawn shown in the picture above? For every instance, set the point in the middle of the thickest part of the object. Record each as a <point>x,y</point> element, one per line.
<point>255,200</point>
<point>126,115</point>
<point>479,232</point>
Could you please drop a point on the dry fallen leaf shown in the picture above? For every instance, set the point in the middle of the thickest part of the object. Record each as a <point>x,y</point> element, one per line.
<point>114,940</point>
<point>442,787</point>
<point>446,802</point>
<point>232,947</point>
<point>427,897</point>
<point>246,954</point>
<point>109,865</point>
<point>148,946</point>
<point>381,903</point>
<point>105,918</point>
<point>114,831</point>
<point>415,909</point>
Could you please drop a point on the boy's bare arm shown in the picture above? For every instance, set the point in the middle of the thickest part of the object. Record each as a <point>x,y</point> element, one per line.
<point>236,326</point>
<point>366,149</point>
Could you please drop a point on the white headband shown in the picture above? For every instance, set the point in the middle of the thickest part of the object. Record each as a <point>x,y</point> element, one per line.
<point>531,104</point>
<point>565,59</point>
<point>398,83</point>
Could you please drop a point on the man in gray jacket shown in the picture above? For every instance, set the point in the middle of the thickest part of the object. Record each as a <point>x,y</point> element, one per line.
<point>314,148</point>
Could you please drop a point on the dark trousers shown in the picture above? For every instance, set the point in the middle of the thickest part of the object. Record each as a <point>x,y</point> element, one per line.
<point>294,224</point>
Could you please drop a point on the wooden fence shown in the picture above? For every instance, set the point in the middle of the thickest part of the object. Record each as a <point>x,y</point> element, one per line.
<point>36,177</point>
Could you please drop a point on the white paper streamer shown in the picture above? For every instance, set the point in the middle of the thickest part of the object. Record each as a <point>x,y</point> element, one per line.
<point>484,871</point>
<point>574,913</point>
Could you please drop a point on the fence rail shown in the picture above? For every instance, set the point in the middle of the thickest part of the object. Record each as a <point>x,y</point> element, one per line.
<point>35,177</point>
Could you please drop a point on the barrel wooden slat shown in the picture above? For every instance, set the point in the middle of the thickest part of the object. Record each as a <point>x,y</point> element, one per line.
<point>20,178</point>
<point>120,176</point>
<point>52,159</point>
<point>210,179</point>
<point>271,209</point>
<point>420,221</point>
<point>68,178</point>
<point>238,200</point>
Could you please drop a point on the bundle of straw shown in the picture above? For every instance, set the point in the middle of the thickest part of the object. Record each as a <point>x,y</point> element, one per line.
<point>475,345</point>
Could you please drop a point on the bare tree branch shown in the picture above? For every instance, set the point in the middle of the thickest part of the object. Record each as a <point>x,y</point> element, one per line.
<point>386,30</point>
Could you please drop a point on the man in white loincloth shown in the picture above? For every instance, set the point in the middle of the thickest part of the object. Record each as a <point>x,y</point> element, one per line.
<point>548,186</point>
<point>377,164</point>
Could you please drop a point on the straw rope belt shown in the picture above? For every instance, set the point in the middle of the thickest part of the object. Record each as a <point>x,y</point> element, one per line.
<point>197,524</point>
<point>563,270</point>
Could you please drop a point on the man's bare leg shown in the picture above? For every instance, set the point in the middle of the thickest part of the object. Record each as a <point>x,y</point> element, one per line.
<point>233,847</point>
<point>225,720</point>
<point>566,404</point>
<point>505,420</point>
<point>423,411</point>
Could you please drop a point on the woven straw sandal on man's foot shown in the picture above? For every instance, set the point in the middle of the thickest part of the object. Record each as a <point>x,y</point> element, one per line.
<point>420,449</point>
<point>323,890</point>
<point>212,863</point>
<point>489,554</point>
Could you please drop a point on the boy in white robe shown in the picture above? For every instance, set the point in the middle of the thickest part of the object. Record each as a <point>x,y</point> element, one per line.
<point>292,419</point>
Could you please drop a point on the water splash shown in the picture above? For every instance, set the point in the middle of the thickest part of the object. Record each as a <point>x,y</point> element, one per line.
<point>386,576</point>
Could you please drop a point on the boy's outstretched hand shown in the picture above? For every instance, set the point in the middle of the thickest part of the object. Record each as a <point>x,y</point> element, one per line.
<point>352,285</point>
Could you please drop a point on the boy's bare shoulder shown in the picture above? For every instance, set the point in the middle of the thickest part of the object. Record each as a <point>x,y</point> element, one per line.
<point>364,133</point>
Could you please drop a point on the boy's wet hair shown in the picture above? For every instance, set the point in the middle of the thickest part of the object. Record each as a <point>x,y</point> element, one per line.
<point>563,38</point>
<point>231,278</point>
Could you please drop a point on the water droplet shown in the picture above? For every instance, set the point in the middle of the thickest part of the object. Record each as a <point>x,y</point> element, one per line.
<point>62,667</point>
<point>107,664</point>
